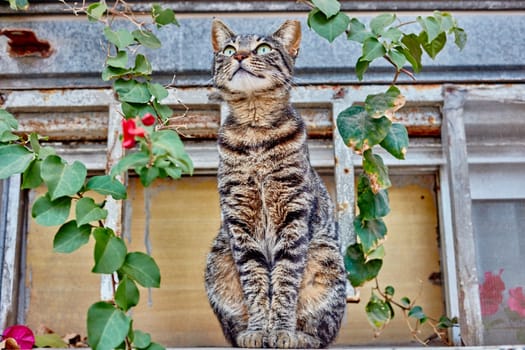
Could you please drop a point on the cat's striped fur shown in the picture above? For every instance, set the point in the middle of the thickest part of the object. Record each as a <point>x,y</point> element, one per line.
<point>275,276</point>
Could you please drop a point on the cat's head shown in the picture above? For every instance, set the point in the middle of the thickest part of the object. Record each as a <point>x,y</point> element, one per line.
<point>252,63</point>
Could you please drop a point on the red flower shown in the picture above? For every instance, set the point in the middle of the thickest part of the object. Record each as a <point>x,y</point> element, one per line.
<point>491,293</point>
<point>516,301</point>
<point>148,119</point>
<point>130,130</point>
<point>23,336</point>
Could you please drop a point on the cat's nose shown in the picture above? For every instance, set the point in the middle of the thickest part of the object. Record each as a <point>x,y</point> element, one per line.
<point>240,56</point>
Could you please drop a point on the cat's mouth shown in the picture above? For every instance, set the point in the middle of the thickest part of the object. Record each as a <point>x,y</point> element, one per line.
<point>243,71</point>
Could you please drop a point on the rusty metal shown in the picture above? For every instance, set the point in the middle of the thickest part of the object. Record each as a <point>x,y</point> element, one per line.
<point>24,42</point>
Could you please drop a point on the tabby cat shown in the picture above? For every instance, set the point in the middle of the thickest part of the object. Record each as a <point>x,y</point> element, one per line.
<point>275,276</point>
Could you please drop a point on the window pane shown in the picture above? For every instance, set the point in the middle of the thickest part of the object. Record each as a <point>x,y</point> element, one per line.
<point>176,222</point>
<point>498,228</point>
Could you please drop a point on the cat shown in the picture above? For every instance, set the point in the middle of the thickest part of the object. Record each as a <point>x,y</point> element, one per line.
<point>275,276</point>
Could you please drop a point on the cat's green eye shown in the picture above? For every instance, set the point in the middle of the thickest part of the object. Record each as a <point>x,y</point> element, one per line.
<point>263,49</point>
<point>229,50</point>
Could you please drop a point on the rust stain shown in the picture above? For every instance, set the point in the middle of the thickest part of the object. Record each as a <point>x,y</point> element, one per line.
<point>24,42</point>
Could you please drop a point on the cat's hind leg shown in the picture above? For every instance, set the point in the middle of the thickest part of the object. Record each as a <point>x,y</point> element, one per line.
<point>322,296</point>
<point>224,290</point>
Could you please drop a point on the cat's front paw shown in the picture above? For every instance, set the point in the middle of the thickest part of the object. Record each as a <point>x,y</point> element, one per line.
<point>251,339</point>
<point>283,339</point>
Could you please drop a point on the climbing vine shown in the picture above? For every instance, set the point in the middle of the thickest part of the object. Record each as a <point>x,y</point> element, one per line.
<point>153,152</point>
<point>366,126</point>
<point>156,152</point>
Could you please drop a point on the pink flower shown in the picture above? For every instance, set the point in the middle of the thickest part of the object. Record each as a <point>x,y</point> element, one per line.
<point>148,119</point>
<point>516,301</point>
<point>491,293</point>
<point>130,130</point>
<point>23,336</point>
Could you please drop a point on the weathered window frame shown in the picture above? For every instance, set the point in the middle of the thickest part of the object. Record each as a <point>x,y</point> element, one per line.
<point>448,159</point>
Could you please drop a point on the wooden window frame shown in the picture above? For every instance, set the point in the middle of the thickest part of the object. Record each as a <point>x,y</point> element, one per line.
<point>448,159</point>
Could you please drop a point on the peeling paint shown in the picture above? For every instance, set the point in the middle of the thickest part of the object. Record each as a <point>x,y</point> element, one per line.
<point>24,42</point>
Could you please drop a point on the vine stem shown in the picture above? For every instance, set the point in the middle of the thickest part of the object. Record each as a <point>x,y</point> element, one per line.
<point>399,70</point>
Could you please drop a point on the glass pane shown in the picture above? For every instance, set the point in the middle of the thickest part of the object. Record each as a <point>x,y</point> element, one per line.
<point>498,228</point>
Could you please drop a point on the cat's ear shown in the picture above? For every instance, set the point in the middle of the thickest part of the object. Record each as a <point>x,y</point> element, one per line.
<point>289,34</point>
<point>220,34</point>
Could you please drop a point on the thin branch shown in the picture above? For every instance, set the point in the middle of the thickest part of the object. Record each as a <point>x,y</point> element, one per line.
<point>399,70</point>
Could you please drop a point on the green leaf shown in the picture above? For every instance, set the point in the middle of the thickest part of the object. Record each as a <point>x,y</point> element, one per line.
<point>163,17</point>
<point>398,57</point>
<point>385,103</point>
<point>361,67</point>
<point>380,22</point>
<point>141,339</point>
<point>110,251</point>
<point>359,270</point>
<point>19,4</point>
<point>127,294</point>
<point>131,110</point>
<point>460,37</point>
<point>131,161</point>
<point>62,179</point>
<point>378,253</point>
<point>396,141</point>
<point>88,211</point>
<point>370,233</point>
<point>445,322</point>
<point>405,301</point>
<point>168,142</point>
<point>328,7</point>
<point>378,312</point>
<point>137,93</point>
<point>157,90</point>
<point>430,26</point>
<point>49,212</point>
<point>148,175</point>
<point>51,340</point>
<point>328,28</point>
<point>120,38</point>
<point>107,185</point>
<point>389,290</point>
<point>109,73</point>
<point>118,61</point>
<point>360,131</point>
<point>393,34</point>
<point>372,49</point>
<point>435,46</point>
<point>376,170</point>
<point>70,237</point>
<point>34,142</point>
<point>372,205</point>
<point>445,20</point>
<point>107,326</point>
<point>164,111</point>
<point>142,65</point>
<point>412,51</point>
<point>358,32</point>
<point>8,119</point>
<point>142,268</point>
<point>14,159</point>
<point>417,313</point>
<point>155,346</point>
<point>146,38</point>
<point>31,176</point>
<point>96,10</point>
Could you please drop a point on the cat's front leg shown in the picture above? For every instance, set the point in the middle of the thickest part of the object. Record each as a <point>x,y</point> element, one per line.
<point>255,281</point>
<point>289,261</point>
